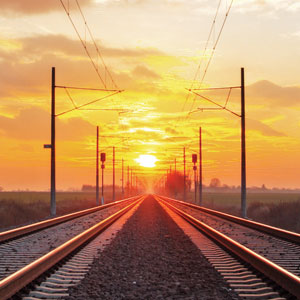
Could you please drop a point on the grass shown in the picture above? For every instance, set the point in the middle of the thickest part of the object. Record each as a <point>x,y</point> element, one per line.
<point>276,209</point>
<point>20,208</point>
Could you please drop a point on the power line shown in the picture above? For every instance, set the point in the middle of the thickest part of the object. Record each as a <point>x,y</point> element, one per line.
<point>203,55</point>
<point>84,44</point>
<point>91,102</point>
<point>213,50</point>
<point>210,59</point>
<point>96,46</point>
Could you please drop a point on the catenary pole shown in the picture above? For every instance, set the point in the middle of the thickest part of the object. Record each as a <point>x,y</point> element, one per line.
<point>200,167</point>
<point>175,165</point>
<point>114,175</point>
<point>122,178</point>
<point>128,186</point>
<point>97,167</point>
<point>131,179</point>
<point>53,183</point>
<point>243,148</point>
<point>184,176</point>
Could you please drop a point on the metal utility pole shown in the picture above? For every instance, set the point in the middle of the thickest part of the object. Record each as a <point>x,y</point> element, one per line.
<point>194,160</point>
<point>184,179</point>
<point>131,179</point>
<point>128,180</point>
<point>175,165</point>
<point>103,157</point>
<point>200,167</point>
<point>122,178</point>
<point>114,176</point>
<point>97,167</point>
<point>53,185</point>
<point>243,148</point>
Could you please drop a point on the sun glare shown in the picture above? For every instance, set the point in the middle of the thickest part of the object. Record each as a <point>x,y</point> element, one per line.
<point>146,160</point>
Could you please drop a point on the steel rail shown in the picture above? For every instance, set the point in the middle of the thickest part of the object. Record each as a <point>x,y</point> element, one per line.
<point>282,277</point>
<point>274,231</point>
<point>18,280</point>
<point>20,231</point>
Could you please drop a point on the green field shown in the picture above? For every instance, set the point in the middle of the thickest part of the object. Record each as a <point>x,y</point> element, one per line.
<point>277,209</point>
<point>18,208</point>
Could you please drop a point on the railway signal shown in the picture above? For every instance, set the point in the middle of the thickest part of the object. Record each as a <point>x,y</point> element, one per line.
<point>194,160</point>
<point>103,158</point>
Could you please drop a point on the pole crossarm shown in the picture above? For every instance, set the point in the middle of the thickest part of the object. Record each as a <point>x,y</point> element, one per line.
<point>87,88</point>
<point>205,108</point>
<point>105,109</point>
<point>91,102</point>
<point>215,88</point>
<point>211,101</point>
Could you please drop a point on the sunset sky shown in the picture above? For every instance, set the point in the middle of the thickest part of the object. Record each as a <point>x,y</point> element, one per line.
<point>152,49</point>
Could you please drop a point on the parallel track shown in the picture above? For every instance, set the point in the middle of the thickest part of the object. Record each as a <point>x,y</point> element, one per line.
<point>18,280</point>
<point>281,276</point>
<point>24,230</point>
<point>245,270</point>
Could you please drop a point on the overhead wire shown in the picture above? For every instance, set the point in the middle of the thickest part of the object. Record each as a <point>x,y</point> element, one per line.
<point>83,44</point>
<point>210,59</point>
<point>96,47</point>
<point>83,41</point>
<point>203,55</point>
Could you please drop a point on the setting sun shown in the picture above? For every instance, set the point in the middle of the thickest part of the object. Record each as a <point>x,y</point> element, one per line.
<point>147,161</point>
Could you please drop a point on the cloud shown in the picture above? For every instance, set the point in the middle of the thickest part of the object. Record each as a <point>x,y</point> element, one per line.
<point>171,130</point>
<point>60,44</point>
<point>266,6</point>
<point>28,62</point>
<point>144,72</point>
<point>273,95</point>
<point>34,124</point>
<point>31,7</point>
<point>262,128</point>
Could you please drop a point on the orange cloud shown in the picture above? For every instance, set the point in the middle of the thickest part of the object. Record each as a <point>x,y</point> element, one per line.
<point>34,124</point>
<point>144,72</point>
<point>31,7</point>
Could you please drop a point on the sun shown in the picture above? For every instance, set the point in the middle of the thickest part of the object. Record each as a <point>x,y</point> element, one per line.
<point>146,160</point>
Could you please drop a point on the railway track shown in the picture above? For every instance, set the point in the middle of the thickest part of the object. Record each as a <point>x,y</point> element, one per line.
<point>267,256</point>
<point>27,252</point>
<point>255,264</point>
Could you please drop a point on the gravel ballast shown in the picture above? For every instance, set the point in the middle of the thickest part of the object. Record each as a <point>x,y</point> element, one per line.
<point>151,258</point>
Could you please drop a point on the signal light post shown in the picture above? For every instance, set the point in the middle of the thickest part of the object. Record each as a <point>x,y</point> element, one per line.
<point>194,160</point>
<point>103,157</point>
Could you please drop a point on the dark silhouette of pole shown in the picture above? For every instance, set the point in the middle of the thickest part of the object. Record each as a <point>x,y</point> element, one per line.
<point>175,165</point>
<point>103,158</point>
<point>184,176</point>
<point>243,148</point>
<point>200,167</point>
<point>194,160</point>
<point>128,180</point>
<point>53,185</point>
<point>114,175</point>
<point>131,179</point>
<point>122,178</point>
<point>97,167</point>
